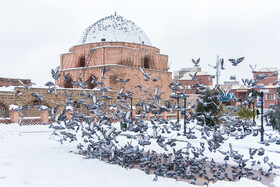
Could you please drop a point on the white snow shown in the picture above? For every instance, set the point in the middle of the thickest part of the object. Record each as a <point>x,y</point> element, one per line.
<point>31,156</point>
<point>113,108</point>
<point>114,28</point>
<point>69,108</point>
<point>13,107</point>
<point>42,107</point>
<point>7,89</point>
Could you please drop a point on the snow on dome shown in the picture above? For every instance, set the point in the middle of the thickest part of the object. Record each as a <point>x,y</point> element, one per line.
<point>114,28</point>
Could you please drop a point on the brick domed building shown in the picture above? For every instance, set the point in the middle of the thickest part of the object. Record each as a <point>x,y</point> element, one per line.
<point>121,46</point>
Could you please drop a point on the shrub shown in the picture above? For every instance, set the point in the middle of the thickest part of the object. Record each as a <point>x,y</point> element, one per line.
<point>274,119</point>
<point>244,113</point>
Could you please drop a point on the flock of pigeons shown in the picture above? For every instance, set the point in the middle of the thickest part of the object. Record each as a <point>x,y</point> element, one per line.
<point>98,137</point>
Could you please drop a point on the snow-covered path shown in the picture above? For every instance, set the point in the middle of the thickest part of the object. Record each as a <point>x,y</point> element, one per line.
<point>30,156</point>
<point>35,159</point>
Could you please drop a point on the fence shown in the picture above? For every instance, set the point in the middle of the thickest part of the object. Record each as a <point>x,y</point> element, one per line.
<point>45,119</point>
<point>5,121</point>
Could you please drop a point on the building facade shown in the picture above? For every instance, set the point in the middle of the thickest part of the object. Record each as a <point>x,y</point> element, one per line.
<point>266,80</point>
<point>13,82</point>
<point>122,47</point>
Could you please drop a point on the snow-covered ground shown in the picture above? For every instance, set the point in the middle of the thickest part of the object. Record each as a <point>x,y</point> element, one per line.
<point>32,156</point>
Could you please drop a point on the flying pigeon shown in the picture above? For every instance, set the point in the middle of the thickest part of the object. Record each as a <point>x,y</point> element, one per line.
<point>196,62</point>
<point>235,62</point>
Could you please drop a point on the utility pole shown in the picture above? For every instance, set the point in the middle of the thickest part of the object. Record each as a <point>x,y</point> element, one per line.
<point>218,72</point>
<point>178,111</point>
<point>185,106</point>
<point>253,94</point>
<point>262,129</point>
<point>131,108</point>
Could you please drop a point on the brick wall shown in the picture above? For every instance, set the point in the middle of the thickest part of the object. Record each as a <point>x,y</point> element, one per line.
<point>203,79</point>
<point>13,82</point>
<point>123,53</point>
<point>125,72</point>
<point>267,80</point>
<point>25,98</point>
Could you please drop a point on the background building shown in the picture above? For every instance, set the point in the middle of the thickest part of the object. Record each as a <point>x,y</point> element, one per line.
<point>13,82</point>
<point>189,77</point>
<point>119,45</point>
<point>266,80</point>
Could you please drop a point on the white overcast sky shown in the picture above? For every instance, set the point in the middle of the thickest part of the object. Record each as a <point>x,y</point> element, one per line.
<point>33,33</point>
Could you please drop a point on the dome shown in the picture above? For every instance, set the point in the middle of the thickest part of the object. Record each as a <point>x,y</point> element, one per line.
<point>114,28</point>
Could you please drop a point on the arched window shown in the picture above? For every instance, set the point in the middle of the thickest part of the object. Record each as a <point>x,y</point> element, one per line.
<point>82,62</point>
<point>67,83</point>
<point>147,62</point>
<point>3,111</point>
<point>77,105</point>
<point>89,84</point>
<point>36,103</point>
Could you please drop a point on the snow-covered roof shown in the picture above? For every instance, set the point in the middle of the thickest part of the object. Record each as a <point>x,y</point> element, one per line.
<point>116,29</point>
<point>7,89</point>
<point>187,76</point>
<point>268,69</point>
<point>238,86</point>
<point>13,107</point>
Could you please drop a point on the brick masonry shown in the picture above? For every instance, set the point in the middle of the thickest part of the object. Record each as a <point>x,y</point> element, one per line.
<point>22,96</point>
<point>123,59</point>
<point>13,82</point>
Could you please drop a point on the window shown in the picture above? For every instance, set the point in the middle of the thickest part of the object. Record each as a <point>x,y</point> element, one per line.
<point>89,83</point>
<point>112,79</point>
<point>68,83</point>
<point>77,105</point>
<point>270,97</point>
<point>35,103</point>
<point>147,62</point>
<point>82,62</point>
<point>3,110</point>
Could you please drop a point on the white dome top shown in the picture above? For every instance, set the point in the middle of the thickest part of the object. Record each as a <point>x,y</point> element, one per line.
<point>114,28</point>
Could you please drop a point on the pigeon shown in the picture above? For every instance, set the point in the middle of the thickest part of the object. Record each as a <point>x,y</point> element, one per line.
<point>25,85</point>
<point>55,74</point>
<point>146,75</point>
<point>80,84</point>
<point>235,62</point>
<point>274,73</point>
<point>194,77</point>
<point>65,77</point>
<point>253,68</point>
<point>196,62</point>
<point>222,64</point>
<point>168,66</point>
<point>104,70</point>
<point>215,67</point>
<point>261,151</point>
<point>121,80</point>
<point>232,77</point>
